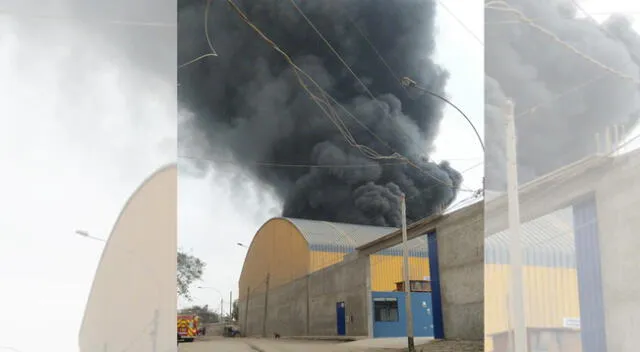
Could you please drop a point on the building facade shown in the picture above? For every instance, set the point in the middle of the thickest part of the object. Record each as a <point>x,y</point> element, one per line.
<point>294,252</point>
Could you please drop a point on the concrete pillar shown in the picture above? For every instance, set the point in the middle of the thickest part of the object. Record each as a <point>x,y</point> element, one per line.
<point>618,201</point>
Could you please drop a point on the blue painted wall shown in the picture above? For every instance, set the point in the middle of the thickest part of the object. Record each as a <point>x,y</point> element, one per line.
<point>422,316</point>
<point>587,241</point>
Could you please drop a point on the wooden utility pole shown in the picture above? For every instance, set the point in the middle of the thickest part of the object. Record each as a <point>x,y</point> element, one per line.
<point>266,308</point>
<point>515,246</point>
<point>246,312</point>
<point>407,281</point>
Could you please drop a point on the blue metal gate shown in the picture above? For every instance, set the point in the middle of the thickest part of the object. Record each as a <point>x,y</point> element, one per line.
<point>587,242</point>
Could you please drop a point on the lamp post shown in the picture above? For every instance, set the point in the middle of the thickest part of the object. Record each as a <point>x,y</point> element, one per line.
<point>221,298</point>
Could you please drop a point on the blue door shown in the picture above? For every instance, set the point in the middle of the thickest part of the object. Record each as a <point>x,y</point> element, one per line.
<point>422,314</point>
<point>341,319</point>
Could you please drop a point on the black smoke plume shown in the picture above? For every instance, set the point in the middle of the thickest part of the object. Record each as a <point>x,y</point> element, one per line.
<point>248,103</point>
<point>532,69</point>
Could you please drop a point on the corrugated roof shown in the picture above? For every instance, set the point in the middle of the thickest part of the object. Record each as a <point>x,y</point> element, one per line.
<point>547,241</point>
<point>332,236</point>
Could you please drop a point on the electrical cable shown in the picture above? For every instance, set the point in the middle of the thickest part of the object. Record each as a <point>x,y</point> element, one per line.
<point>553,187</point>
<point>290,165</point>
<point>572,89</point>
<point>411,83</point>
<point>321,166</point>
<point>346,65</point>
<point>91,21</point>
<point>213,52</point>
<point>325,105</point>
<point>504,6</point>
<point>404,82</point>
<point>460,22</point>
<point>603,29</point>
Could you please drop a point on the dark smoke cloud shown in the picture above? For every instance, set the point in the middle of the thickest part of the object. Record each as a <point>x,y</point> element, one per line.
<point>248,103</point>
<point>531,68</point>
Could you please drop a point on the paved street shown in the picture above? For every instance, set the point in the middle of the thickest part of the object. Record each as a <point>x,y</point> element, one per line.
<point>371,345</point>
<point>257,345</point>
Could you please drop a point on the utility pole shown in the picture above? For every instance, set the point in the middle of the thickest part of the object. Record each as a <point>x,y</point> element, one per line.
<point>266,306</point>
<point>221,309</point>
<point>515,250</point>
<point>246,313</point>
<point>407,283</point>
<point>230,306</point>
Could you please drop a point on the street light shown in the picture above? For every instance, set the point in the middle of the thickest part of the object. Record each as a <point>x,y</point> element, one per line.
<point>409,83</point>
<point>86,234</point>
<point>221,298</point>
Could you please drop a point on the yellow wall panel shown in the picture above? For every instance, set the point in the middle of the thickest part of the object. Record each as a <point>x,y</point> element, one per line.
<point>551,294</point>
<point>279,249</point>
<point>386,270</point>
<point>320,260</point>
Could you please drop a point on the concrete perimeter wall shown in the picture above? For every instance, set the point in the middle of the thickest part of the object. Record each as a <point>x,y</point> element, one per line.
<point>618,201</point>
<point>307,306</point>
<point>461,260</point>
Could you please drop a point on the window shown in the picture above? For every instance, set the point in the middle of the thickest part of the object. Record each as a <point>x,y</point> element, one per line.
<point>415,285</point>
<point>421,286</point>
<point>385,309</point>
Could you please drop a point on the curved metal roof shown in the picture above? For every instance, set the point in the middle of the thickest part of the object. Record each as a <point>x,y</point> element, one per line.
<point>332,236</point>
<point>547,241</point>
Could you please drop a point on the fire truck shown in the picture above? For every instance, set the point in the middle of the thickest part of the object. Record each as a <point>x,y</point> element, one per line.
<point>187,327</point>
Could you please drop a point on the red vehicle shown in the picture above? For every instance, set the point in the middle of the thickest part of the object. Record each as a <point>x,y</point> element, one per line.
<point>188,327</point>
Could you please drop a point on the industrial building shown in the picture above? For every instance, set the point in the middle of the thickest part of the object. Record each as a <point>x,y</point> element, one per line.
<point>301,259</point>
<point>284,250</point>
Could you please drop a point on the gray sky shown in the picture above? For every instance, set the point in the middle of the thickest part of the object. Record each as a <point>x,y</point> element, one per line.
<point>80,128</point>
<point>214,216</point>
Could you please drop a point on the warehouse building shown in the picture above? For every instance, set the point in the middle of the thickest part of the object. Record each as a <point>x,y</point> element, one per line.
<point>305,262</point>
<point>285,250</point>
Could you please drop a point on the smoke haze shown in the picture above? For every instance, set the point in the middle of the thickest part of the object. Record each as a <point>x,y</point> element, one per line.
<point>532,69</point>
<point>248,106</point>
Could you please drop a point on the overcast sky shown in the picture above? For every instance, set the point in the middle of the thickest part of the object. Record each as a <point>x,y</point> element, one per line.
<point>81,127</point>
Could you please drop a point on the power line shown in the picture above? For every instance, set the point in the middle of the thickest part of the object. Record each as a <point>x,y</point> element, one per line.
<point>325,104</point>
<point>403,81</point>
<point>460,22</point>
<point>364,86</point>
<point>603,29</point>
<point>291,165</point>
<point>212,52</point>
<point>501,5</point>
<point>411,83</point>
<point>340,58</point>
<point>91,21</point>
<point>318,166</point>
<point>572,89</point>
